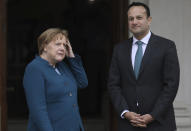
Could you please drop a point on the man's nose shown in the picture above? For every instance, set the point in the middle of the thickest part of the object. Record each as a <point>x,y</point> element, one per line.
<point>135,21</point>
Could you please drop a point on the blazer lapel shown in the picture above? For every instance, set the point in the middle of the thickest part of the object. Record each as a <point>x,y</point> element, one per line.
<point>147,53</point>
<point>129,60</point>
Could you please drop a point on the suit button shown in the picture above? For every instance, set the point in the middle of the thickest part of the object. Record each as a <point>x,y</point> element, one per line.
<point>74,105</point>
<point>70,94</point>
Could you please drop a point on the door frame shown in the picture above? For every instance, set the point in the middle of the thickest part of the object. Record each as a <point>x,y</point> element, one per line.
<point>3,104</point>
<point>119,33</point>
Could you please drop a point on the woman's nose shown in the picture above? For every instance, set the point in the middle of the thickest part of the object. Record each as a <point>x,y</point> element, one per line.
<point>63,47</point>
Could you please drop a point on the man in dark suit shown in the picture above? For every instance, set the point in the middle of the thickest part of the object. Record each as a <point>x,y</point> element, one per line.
<point>144,76</point>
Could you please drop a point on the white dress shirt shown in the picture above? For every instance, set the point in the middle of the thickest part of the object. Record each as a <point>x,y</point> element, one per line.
<point>145,40</point>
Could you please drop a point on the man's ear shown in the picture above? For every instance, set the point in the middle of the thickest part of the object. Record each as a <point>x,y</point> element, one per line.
<point>149,19</point>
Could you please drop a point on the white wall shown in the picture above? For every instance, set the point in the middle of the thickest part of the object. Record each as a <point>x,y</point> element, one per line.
<point>172,19</point>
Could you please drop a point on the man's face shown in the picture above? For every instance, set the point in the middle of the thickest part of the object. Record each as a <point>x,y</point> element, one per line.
<point>138,21</point>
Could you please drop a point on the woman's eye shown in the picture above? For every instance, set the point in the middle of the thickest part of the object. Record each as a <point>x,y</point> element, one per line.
<point>58,44</point>
<point>65,46</point>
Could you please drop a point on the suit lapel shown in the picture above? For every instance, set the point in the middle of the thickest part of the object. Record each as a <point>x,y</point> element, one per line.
<point>149,50</point>
<point>129,50</point>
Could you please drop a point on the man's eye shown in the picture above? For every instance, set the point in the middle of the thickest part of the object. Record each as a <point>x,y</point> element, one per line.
<point>139,18</point>
<point>130,19</point>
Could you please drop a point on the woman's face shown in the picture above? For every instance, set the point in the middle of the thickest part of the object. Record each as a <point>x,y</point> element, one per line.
<point>55,51</point>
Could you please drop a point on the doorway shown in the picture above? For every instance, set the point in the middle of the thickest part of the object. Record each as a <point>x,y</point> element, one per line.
<point>89,25</point>
<point>94,27</point>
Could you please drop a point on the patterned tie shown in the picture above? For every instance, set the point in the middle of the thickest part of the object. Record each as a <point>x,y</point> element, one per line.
<point>138,58</point>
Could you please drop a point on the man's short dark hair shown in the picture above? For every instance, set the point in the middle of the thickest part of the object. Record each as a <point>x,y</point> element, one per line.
<point>140,4</point>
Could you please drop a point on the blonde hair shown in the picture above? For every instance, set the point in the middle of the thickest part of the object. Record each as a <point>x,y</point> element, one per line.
<point>47,36</point>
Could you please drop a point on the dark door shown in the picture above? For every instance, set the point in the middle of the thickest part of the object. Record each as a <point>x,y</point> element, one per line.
<point>89,26</point>
<point>94,27</point>
<point>3,108</point>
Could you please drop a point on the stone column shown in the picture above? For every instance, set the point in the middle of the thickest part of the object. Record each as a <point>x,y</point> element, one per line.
<point>171,19</point>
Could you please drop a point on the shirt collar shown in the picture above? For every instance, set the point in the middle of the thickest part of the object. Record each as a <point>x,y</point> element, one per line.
<point>44,61</point>
<point>145,39</point>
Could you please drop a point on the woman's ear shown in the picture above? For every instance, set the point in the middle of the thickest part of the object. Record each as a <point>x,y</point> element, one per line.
<point>45,49</point>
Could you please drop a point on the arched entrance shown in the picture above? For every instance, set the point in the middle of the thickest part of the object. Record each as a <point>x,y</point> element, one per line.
<point>96,26</point>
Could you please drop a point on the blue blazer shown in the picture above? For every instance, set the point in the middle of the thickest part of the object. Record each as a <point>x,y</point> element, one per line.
<point>52,95</point>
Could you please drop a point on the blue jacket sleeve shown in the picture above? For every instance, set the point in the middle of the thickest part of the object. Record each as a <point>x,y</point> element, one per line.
<point>36,99</point>
<point>78,71</point>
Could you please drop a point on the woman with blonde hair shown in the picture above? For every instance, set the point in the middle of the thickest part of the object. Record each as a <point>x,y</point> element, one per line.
<point>51,84</point>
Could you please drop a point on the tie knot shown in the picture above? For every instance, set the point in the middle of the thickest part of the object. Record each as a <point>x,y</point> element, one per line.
<point>139,43</point>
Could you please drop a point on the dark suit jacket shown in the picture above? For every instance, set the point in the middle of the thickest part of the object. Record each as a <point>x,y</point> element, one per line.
<point>155,88</point>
